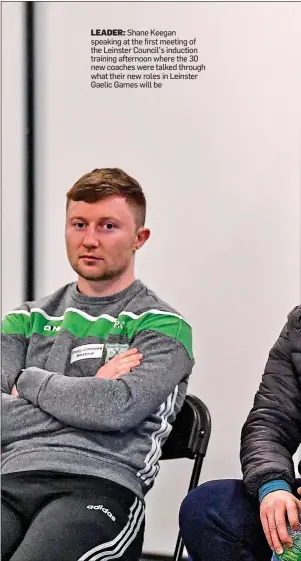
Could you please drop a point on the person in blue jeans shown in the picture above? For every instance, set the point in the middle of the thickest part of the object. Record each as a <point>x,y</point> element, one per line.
<point>246,520</point>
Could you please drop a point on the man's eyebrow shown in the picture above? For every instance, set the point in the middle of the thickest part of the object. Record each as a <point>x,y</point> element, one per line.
<point>100,219</point>
<point>108,218</point>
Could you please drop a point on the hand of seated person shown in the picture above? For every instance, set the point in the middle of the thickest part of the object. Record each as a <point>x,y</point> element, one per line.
<point>276,510</point>
<point>120,364</point>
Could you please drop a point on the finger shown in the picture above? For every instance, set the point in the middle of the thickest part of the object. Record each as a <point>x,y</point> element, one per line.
<point>299,490</point>
<point>127,365</point>
<point>110,375</point>
<point>130,359</point>
<point>126,354</point>
<point>266,529</point>
<point>14,392</point>
<point>129,362</point>
<point>281,525</point>
<point>136,355</point>
<point>293,515</point>
<point>129,352</point>
<point>127,359</point>
<point>277,545</point>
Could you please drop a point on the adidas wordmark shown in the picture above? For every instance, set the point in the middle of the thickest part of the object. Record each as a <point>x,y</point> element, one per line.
<point>104,510</point>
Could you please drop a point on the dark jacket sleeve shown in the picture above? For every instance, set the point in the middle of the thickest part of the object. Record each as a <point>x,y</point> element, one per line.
<point>272,431</point>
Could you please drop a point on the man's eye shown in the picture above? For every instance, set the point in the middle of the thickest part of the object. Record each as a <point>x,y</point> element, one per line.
<point>79,225</point>
<point>109,226</point>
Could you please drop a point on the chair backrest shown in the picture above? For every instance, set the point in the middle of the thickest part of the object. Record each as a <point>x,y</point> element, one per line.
<point>190,432</point>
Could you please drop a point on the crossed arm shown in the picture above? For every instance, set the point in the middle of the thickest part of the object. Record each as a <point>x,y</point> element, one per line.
<point>102,402</point>
<point>20,418</point>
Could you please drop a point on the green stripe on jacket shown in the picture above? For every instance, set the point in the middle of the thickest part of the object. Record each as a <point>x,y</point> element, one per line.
<point>82,325</point>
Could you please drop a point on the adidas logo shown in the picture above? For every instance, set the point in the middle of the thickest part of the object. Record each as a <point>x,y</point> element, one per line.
<point>105,510</point>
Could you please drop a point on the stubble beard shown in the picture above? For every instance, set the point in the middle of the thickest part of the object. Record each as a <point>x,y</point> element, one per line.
<point>108,274</point>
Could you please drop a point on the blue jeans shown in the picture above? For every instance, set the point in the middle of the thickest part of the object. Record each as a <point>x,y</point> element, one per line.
<point>220,522</point>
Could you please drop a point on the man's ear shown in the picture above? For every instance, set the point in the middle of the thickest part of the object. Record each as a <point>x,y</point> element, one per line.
<point>142,236</point>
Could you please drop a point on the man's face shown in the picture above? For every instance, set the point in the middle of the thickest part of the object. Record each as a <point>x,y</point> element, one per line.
<point>101,238</point>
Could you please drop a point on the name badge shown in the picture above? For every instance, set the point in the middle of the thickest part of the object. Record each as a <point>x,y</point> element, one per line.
<point>86,351</point>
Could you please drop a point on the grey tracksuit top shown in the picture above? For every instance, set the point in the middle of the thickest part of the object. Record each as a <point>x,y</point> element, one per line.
<point>65,419</point>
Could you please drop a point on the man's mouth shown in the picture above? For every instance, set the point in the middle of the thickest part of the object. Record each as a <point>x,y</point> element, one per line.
<point>91,258</point>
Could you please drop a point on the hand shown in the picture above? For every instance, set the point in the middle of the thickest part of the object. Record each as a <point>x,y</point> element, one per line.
<point>275,509</point>
<point>14,392</point>
<point>120,364</point>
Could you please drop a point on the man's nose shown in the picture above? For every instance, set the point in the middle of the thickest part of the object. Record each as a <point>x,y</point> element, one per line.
<point>90,239</point>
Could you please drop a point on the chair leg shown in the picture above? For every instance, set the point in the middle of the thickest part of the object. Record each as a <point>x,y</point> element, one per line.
<point>178,554</point>
<point>198,462</point>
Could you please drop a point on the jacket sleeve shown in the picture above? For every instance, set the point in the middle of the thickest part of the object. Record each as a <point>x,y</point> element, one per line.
<point>13,357</point>
<point>272,431</point>
<point>20,419</point>
<point>119,404</point>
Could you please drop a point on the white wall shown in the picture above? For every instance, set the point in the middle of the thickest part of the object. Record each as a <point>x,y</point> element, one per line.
<point>219,160</point>
<point>13,138</point>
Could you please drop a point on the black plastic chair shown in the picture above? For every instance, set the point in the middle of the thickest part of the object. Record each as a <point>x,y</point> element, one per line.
<point>189,438</point>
